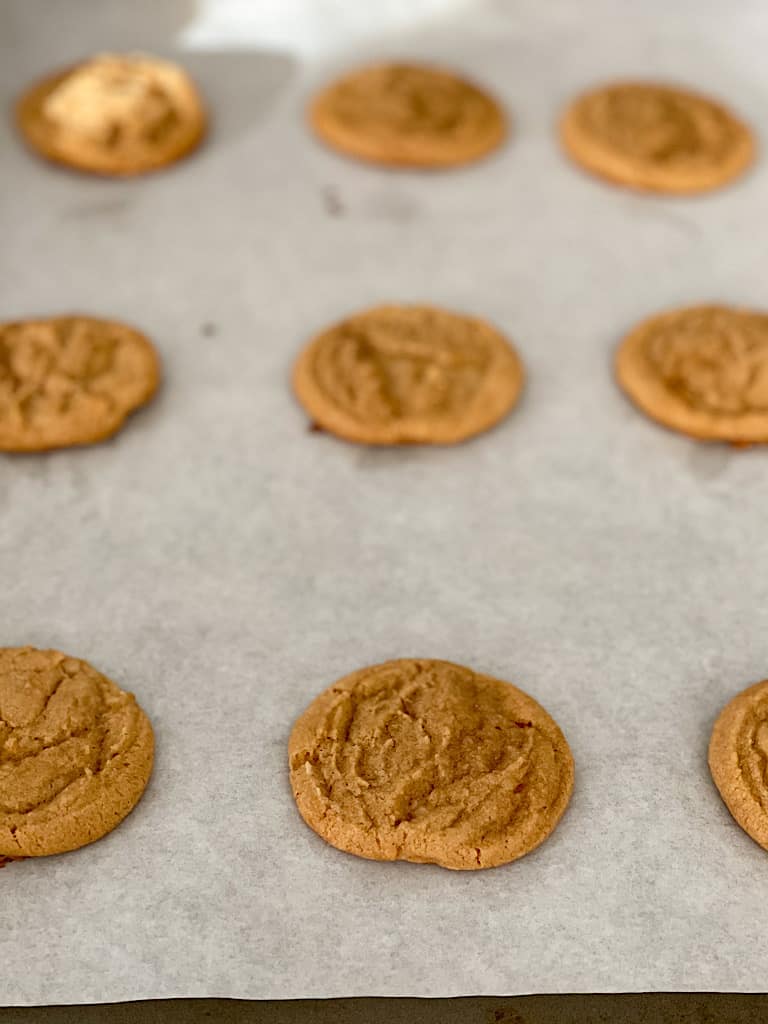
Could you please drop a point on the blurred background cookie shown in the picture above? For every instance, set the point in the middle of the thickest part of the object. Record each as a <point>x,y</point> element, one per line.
<point>70,380</point>
<point>114,114</point>
<point>656,137</point>
<point>408,115</point>
<point>701,370</point>
<point>408,375</point>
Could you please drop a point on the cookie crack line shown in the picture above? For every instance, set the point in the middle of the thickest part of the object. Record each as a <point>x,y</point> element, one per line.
<point>87,772</point>
<point>77,734</point>
<point>51,695</point>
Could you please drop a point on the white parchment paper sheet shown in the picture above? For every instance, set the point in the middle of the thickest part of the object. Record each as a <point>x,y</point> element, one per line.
<point>226,564</point>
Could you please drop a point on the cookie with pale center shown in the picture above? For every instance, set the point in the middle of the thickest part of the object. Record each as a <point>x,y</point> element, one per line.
<point>114,114</point>
<point>428,761</point>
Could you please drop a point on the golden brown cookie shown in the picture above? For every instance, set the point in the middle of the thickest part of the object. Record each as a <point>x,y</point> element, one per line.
<point>408,115</point>
<point>702,371</point>
<point>115,114</point>
<point>75,753</point>
<point>70,380</point>
<point>430,762</point>
<point>738,759</point>
<point>656,137</point>
<point>408,375</point>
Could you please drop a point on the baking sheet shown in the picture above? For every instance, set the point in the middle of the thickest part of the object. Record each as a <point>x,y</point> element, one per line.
<point>226,564</point>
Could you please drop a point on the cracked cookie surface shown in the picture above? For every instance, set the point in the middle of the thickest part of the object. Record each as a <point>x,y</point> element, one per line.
<point>408,115</point>
<point>656,137</point>
<point>738,759</point>
<point>408,375</point>
<point>76,753</point>
<point>428,761</point>
<point>70,380</point>
<point>114,114</point>
<point>702,371</point>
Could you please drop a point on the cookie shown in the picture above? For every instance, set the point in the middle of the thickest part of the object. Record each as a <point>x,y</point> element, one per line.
<point>702,371</point>
<point>115,114</point>
<point>656,137</point>
<point>430,762</point>
<point>738,759</point>
<point>75,753</point>
<point>408,375</point>
<point>70,380</point>
<point>408,115</point>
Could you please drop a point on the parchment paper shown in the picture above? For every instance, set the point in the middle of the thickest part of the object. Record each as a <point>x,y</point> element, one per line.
<point>226,564</point>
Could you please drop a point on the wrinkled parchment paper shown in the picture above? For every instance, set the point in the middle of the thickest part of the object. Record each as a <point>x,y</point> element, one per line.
<point>226,564</point>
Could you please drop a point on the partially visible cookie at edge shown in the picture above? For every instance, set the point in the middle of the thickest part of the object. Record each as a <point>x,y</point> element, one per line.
<point>408,115</point>
<point>114,114</point>
<point>427,761</point>
<point>70,380</point>
<point>738,759</point>
<point>76,753</point>
<point>701,370</point>
<point>656,137</point>
<point>408,375</point>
